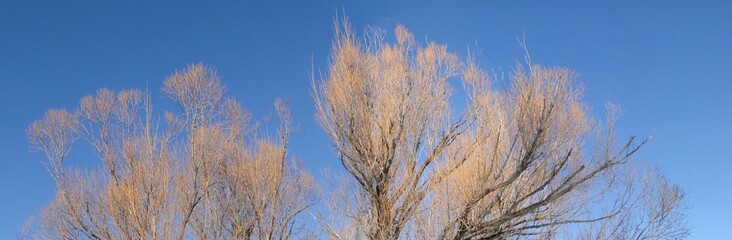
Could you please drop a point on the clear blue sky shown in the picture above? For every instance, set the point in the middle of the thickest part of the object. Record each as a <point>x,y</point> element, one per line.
<point>667,63</point>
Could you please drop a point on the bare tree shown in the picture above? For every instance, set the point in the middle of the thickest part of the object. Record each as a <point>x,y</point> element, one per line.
<point>207,173</point>
<point>654,210</point>
<point>524,159</point>
<point>519,162</point>
<point>385,108</point>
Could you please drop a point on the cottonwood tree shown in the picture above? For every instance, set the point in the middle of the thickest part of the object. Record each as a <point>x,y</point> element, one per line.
<point>520,161</point>
<point>206,173</point>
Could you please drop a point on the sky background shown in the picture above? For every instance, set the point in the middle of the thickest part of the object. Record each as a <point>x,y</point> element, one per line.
<point>668,64</point>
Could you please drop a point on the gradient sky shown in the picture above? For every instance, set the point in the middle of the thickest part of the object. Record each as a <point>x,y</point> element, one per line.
<point>668,64</point>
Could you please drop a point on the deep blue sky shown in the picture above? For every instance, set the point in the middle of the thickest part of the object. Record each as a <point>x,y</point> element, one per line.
<point>668,64</point>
